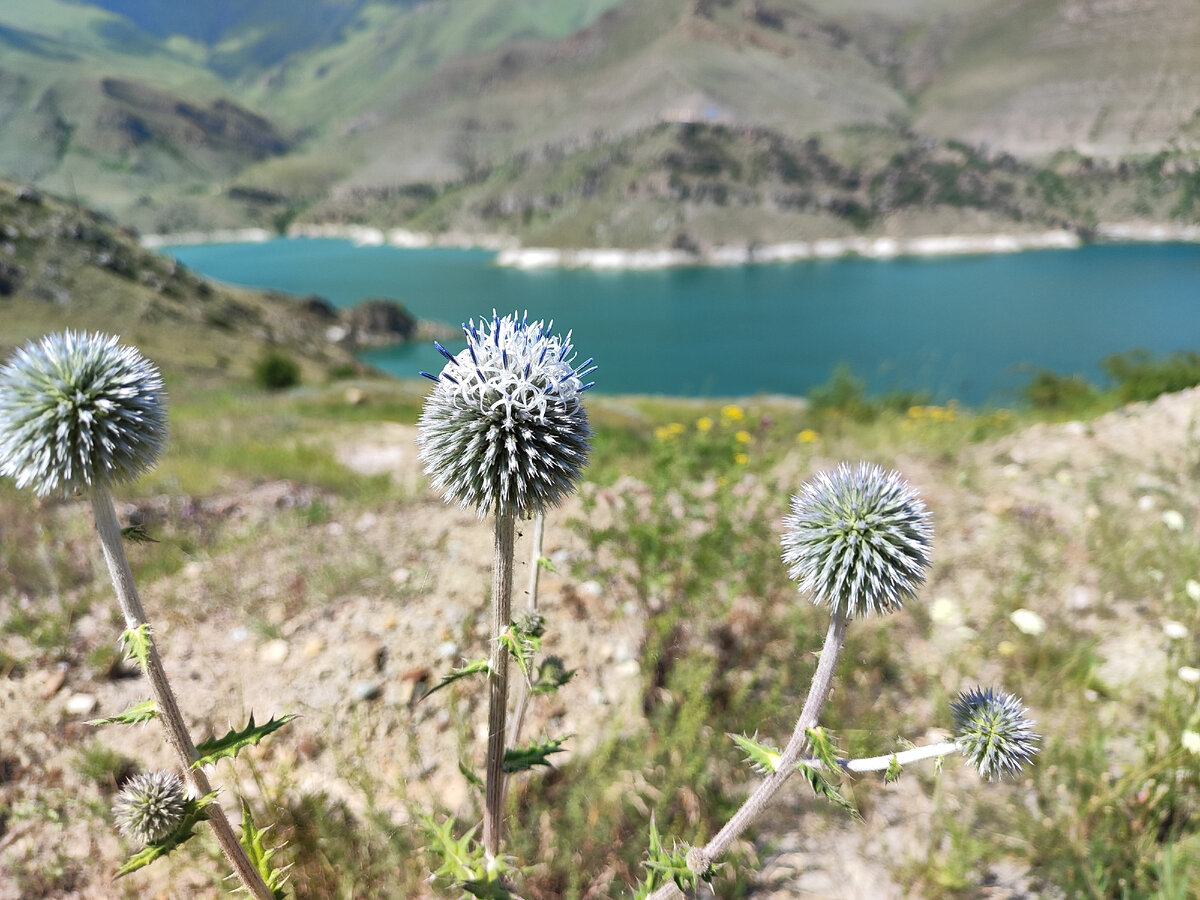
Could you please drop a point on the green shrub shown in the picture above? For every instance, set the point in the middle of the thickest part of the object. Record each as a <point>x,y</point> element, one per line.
<point>277,371</point>
<point>1139,375</point>
<point>1049,390</point>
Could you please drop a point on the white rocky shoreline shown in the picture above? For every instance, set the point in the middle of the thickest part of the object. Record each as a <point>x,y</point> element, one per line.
<point>511,254</point>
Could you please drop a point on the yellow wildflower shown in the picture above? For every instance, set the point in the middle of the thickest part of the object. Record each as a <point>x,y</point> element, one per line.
<point>732,412</point>
<point>807,436</point>
<point>741,458</point>
<point>704,424</point>
<point>743,437</point>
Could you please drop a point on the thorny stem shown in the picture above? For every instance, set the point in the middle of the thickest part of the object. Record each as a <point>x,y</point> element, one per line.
<point>168,709</point>
<point>502,572</point>
<point>701,858</point>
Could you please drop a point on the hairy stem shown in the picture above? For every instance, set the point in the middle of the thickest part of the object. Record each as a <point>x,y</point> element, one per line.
<point>164,698</point>
<point>701,858</point>
<point>502,573</point>
<point>535,568</point>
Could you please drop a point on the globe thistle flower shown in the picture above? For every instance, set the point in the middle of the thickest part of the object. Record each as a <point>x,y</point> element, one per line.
<point>79,410</point>
<point>504,429</point>
<point>992,731</point>
<point>150,806</point>
<point>858,540</point>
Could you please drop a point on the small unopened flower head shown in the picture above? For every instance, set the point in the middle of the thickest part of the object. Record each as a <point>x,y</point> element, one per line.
<point>858,540</point>
<point>150,806</point>
<point>79,410</point>
<point>993,731</point>
<point>505,429</point>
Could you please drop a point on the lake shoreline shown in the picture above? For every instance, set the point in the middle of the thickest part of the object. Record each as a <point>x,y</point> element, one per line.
<point>510,254</point>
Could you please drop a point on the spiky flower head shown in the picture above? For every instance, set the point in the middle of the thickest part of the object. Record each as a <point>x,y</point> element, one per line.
<point>993,731</point>
<point>858,540</point>
<point>150,806</point>
<point>505,429</point>
<point>79,410</point>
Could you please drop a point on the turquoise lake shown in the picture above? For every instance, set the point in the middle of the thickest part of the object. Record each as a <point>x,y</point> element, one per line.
<point>970,328</point>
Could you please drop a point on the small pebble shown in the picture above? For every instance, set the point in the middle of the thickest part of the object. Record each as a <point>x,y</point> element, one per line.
<point>273,652</point>
<point>1176,631</point>
<point>366,690</point>
<point>81,704</point>
<point>591,590</point>
<point>54,681</point>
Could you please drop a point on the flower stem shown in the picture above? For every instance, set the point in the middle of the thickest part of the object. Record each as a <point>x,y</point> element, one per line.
<point>502,573</point>
<point>535,568</point>
<point>881,763</point>
<point>164,698</point>
<point>701,858</point>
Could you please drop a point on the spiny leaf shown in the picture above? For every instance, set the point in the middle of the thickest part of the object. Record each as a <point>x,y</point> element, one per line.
<point>762,758</point>
<point>545,563</point>
<point>137,534</point>
<point>823,788</point>
<point>823,749</point>
<point>474,667</point>
<point>194,814</point>
<point>228,746</point>
<point>461,858</point>
<point>260,855</point>
<point>551,675</point>
<point>471,775</point>
<point>139,712</point>
<point>893,771</point>
<point>521,645</point>
<point>518,759</point>
<point>664,865</point>
<point>137,644</point>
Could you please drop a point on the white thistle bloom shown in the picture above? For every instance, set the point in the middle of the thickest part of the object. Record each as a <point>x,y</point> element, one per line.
<point>993,731</point>
<point>1189,674</point>
<point>150,806</point>
<point>79,410</point>
<point>505,429</point>
<point>858,540</point>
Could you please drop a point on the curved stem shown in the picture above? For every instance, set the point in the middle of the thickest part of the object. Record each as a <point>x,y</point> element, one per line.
<point>701,858</point>
<point>498,684</point>
<point>164,698</point>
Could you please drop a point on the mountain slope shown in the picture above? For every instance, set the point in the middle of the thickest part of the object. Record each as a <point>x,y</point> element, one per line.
<point>64,267</point>
<point>248,113</point>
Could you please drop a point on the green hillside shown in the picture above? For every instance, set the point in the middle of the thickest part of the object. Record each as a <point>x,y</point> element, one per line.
<point>250,115</point>
<point>65,267</point>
